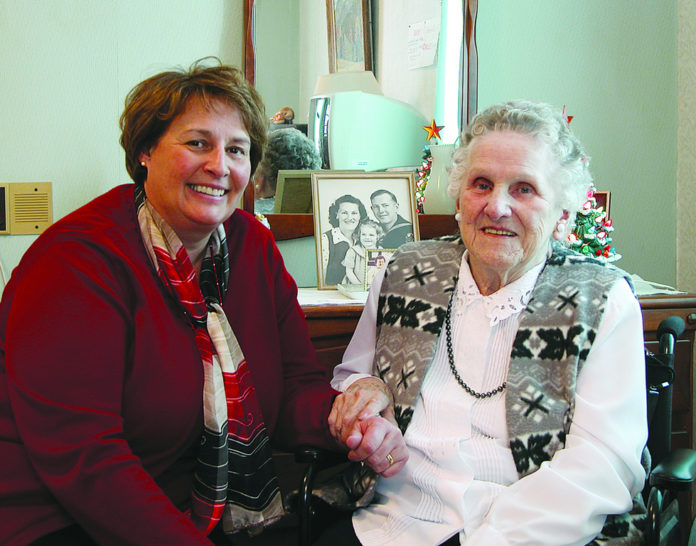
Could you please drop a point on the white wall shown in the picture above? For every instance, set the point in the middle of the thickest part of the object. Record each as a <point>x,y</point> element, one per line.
<point>277,59</point>
<point>314,47</point>
<point>614,64</point>
<point>413,86</point>
<point>291,50</point>
<point>66,68</point>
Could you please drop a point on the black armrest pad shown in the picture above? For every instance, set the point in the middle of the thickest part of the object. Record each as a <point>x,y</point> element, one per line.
<point>676,471</point>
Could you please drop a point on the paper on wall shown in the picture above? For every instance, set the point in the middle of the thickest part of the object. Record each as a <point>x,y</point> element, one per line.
<point>422,43</point>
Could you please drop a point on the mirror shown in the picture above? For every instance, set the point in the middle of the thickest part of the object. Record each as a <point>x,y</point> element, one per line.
<point>286,50</point>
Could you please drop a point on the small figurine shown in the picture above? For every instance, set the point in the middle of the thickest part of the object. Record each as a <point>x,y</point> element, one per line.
<point>284,116</point>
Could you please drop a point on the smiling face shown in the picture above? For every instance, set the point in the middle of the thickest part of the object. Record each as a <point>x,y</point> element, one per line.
<point>368,236</point>
<point>198,170</point>
<point>348,215</point>
<point>385,210</point>
<point>509,207</point>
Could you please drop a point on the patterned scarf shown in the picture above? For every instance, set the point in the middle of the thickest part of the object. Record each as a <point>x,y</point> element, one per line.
<point>234,479</point>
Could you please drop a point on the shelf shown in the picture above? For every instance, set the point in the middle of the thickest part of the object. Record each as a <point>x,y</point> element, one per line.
<point>293,226</point>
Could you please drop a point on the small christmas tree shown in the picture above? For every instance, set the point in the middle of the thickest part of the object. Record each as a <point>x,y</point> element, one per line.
<point>422,177</point>
<point>423,172</point>
<point>590,236</point>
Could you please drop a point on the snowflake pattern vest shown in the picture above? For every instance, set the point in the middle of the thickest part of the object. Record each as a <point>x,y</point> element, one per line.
<point>556,333</point>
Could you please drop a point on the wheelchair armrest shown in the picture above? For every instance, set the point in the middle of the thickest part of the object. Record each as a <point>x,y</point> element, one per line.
<point>676,471</point>
<point>316,459</point>
<point>318,456</point>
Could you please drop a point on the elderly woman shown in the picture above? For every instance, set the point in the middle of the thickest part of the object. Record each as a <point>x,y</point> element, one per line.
<point>345,213</point>
<point>516,365</point>
<point>285,149</point>
<point>152,343</point>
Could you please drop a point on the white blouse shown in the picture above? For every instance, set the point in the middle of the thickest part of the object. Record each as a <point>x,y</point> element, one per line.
<point>461,477</point>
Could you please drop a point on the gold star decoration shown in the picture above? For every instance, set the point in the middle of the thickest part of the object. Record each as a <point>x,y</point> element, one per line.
<point>433,130</point>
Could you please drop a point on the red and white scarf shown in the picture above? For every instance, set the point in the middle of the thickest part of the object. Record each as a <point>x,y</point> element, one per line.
<point>234,479</point>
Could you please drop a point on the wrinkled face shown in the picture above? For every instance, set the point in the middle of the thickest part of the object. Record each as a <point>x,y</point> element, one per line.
<point>385,209</point>
<point>368,236</point>
<point>198,169</point>
<point>509,205</point>
<point>348,217</point>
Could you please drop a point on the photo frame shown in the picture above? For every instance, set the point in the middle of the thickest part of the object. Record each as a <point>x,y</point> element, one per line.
<point>350,35</point>
<point>603,199</point>
<point>354,212</point>
<point>375,259</point>
<point>293,192</point>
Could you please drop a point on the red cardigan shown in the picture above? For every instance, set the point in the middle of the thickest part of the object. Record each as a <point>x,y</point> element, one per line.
<point>101,383</point>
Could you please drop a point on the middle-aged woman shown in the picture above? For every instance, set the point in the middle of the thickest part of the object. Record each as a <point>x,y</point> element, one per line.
<point>345,213</point>
<point>516,365</point>
<point>152,346</point>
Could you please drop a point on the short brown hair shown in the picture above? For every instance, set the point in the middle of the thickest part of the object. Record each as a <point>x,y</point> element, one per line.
<point>153,104</point>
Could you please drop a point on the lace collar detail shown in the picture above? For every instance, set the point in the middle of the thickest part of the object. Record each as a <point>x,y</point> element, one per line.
<point>509,300</point>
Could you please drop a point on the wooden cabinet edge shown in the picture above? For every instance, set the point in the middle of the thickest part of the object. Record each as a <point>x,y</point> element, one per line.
<point>293,226</point>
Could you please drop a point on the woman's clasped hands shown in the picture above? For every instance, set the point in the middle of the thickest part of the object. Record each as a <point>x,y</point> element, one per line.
<point>362,420</point>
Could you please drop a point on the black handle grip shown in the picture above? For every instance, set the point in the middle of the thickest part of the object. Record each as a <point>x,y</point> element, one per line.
<point>673,325</point>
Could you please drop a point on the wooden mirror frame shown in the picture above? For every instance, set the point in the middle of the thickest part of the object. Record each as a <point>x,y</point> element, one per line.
<point>291,226</point>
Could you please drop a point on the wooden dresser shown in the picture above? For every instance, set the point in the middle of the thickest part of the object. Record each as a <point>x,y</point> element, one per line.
<point>655,309</point>
<point>331,327</point>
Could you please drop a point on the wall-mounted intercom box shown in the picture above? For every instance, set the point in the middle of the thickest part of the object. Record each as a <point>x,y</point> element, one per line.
<point>25,207</point>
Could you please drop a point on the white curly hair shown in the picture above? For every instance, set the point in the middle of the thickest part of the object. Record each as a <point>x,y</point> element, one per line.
<point>543,122</point>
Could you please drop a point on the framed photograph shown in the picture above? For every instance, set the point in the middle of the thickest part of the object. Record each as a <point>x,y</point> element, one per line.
<point>375,259</point>
<point>603,199</point>
<point>356,212</point>
<point>350,36</point>
<point>293,192</point>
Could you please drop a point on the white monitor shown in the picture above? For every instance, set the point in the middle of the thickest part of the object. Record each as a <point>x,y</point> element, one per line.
<point>354,130</point>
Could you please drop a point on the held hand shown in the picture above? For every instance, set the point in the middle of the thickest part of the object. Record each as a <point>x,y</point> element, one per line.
<point>364,398</point>
<point>379,443</point>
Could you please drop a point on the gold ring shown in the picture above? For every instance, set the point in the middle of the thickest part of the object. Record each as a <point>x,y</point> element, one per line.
<point>390,459</point>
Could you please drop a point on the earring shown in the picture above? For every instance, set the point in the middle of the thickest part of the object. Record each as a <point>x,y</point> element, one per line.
<point>458,216</point>
<point>142,163</point>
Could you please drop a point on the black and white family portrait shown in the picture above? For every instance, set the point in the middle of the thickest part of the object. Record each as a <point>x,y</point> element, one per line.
<point>355,213</point>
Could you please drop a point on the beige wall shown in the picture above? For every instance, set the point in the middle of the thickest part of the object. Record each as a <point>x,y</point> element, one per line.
<point>686,149</point>
<point>66,68</point>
